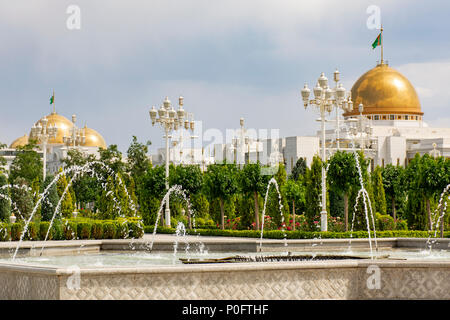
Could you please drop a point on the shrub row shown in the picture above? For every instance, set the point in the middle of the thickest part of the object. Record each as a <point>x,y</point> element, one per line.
<point>72,229</point>
<point>279,234</point>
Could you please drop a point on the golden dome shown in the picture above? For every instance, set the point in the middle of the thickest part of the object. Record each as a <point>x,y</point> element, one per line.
<point>93,139</point>
<point>383,90</point>
<point>62,123</point>
<point>19,142</point>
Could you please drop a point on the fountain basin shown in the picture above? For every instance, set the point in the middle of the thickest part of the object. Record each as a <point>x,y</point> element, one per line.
<point>337,279</point>
<point>291,280</point>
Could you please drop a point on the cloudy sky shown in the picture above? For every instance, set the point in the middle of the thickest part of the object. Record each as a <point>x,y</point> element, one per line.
<point>228,58</point>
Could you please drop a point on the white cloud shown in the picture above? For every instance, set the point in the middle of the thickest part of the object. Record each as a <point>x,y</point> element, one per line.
<point>431,82</point>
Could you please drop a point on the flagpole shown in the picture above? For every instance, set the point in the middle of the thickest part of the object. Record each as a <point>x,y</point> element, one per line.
<point>381,38</point>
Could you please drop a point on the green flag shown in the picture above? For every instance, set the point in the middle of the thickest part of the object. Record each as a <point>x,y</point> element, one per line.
<point>52,99</point>
<point>377,42</point>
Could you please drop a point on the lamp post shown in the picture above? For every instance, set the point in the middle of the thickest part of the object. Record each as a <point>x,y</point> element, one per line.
<point>77,136</point>
<point>170,120</point>
<point>362,128</point>
<point>325,99</point>
<point>43,132</point>
<point>240,143</point>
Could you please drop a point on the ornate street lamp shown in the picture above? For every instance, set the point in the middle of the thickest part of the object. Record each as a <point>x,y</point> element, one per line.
<point>361,128</point>
<point>170,120</point>
<point>239,144</point>
<point>325,99</point>
<point>43,132</point>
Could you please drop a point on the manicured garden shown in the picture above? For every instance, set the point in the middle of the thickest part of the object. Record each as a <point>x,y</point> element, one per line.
<point>113,197</point>
<point>74,229</point>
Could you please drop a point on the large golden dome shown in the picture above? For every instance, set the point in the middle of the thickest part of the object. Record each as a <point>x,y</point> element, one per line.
<point>93,139</point>
<point>384,91</point>
<point>62,123</point>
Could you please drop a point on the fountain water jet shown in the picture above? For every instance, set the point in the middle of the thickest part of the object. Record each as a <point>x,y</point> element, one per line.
<point>274,182</point>
<point>176,189</point>
<point>442,206</point>
<point>78,170</point>
<point>181,230</point>
<point>367,205</point>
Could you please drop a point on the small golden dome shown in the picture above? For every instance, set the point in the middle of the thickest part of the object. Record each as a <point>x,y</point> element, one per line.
<point>93,139</point>
<point>19,142</point>
<point>62,123</point>
<point>383,90</point>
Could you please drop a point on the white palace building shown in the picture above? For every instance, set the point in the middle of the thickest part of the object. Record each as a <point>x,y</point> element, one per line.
<point>389,127</point>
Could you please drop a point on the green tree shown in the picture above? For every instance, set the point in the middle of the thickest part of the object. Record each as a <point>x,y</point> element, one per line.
<point>342,177</point>
<point>2,159</point>
<point>416,207</point>
<point>27,164</point>
<point>200,205</point>
<point>253,183</point>
<point>50,201</point>
<point>67,206</point>
<point>137,159</point>
<point>432,178</point>
<point>190,178</point>
<point>112,158</point>
<point>394,186</point>
<point>313,192</point>
<point>122,197</point>
<point>22,198</point>
<point>299,169</point>
<point>378,191</point>
<point>221,181</point>
<point>86,188</point>
<point>5,205</point>
<point>294,192</point>
<point>107,204</point>
<point>152,190</point>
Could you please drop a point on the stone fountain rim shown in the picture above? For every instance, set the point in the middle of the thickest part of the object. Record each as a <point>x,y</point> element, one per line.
<point>249,266</point>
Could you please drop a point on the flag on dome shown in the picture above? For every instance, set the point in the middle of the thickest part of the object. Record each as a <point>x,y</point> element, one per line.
<point>377,42</point>
<point>52,98</point>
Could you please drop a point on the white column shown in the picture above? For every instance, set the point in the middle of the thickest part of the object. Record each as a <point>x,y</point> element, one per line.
<point>44,148</point>
<point>167,211</point>
<point>323,213</point>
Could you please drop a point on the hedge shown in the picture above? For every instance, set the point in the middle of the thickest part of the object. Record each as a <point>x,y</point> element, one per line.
<point>71,229</point>
<point>279,234</point>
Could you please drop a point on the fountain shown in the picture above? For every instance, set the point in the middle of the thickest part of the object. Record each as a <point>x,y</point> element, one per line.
<point>442,206</point>
<point>280,205</point>
<point>77,171</point>
<point>180,231</point>
<point>176,189</point>
<point>367,207</point>
<point>141,275</point>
